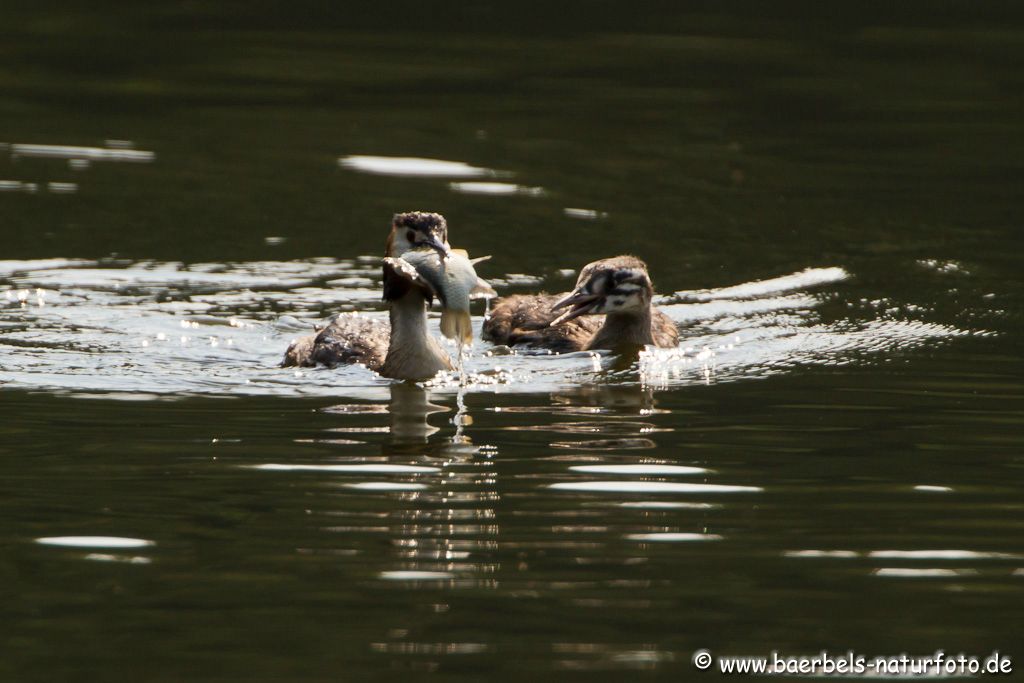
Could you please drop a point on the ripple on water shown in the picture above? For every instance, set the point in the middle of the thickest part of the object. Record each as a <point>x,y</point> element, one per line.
<point>357,409</point>
<point>649,487</point>
<point>805,279</point>
<point>641,469</point>
<point>116,153</point>
<point>916,555</point>
<point>415,575</point>
<point>420,648</point>
<point>369,468</point>
<point>672,537</point>
<point>585,214</point>
<point>493,188</point>
<point>843,554</point>
<point>8,268</point>
<point>570,410</point>
<point>773,348</point>
<point>414,167</point>
<point>154,275</point>
<point>606,444</point>
<point>95,542</point>
<point>666,505</point>
<point>124,559</point>
<point>930,573</point>
<point>942,555</point>
<point>385,486</point>
<point>593,427</point>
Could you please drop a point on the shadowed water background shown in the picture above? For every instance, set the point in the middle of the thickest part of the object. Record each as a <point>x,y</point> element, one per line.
<point>829,203</point>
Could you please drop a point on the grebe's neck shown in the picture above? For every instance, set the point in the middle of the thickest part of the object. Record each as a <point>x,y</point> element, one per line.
<point>620,330</point>
<point>413,354</point>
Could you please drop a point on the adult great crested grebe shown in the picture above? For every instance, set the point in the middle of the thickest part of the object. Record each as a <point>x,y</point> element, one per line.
<point>618,287</point>
<point>405,349</point>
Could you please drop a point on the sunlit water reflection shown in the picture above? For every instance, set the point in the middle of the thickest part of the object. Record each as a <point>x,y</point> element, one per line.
<point>168,328</point>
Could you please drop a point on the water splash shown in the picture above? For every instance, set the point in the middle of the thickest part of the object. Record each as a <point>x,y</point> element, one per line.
<point>462,418</point>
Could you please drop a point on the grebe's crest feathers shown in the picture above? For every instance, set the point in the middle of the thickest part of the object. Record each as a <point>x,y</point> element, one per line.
<point>614,273</point>
<point>415,230</point>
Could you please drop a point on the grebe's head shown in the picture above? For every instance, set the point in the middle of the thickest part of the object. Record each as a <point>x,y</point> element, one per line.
<point>418,230</point>
<point>614,285</point>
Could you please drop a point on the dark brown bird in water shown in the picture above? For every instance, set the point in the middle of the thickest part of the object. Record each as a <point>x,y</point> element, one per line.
<point>619,288</point>
<point>405,349</point>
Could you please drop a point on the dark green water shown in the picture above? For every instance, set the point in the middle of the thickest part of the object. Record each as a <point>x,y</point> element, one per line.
<point>829,199</point>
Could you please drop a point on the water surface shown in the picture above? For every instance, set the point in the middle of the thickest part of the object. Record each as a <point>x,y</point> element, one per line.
<point>829,205</point>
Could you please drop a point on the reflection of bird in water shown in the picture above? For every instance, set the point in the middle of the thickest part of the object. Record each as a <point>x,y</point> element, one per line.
<point>409,409</point>
<point>619,288</point>
<point>405,349</point>
<point>448,529</point>
<point>620,398</point>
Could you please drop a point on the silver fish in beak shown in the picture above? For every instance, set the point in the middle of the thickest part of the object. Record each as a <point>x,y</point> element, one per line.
<point>453,280</point>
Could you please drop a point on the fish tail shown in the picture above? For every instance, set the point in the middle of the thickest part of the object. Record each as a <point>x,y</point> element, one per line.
<point>457,325</point>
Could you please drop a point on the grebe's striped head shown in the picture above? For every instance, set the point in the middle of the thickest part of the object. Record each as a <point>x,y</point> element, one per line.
<point>418,230</point>
<point>615,285</point>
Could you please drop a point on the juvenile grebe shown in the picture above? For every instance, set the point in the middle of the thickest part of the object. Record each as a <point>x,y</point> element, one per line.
<point>619,288</point>
<point>405,349</point>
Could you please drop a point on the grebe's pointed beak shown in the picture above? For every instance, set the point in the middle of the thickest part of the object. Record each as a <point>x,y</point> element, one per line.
<point>581,303</point>
<point>442,249</point>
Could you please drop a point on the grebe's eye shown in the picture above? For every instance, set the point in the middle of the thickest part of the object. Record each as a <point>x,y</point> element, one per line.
<point>411,236</point>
